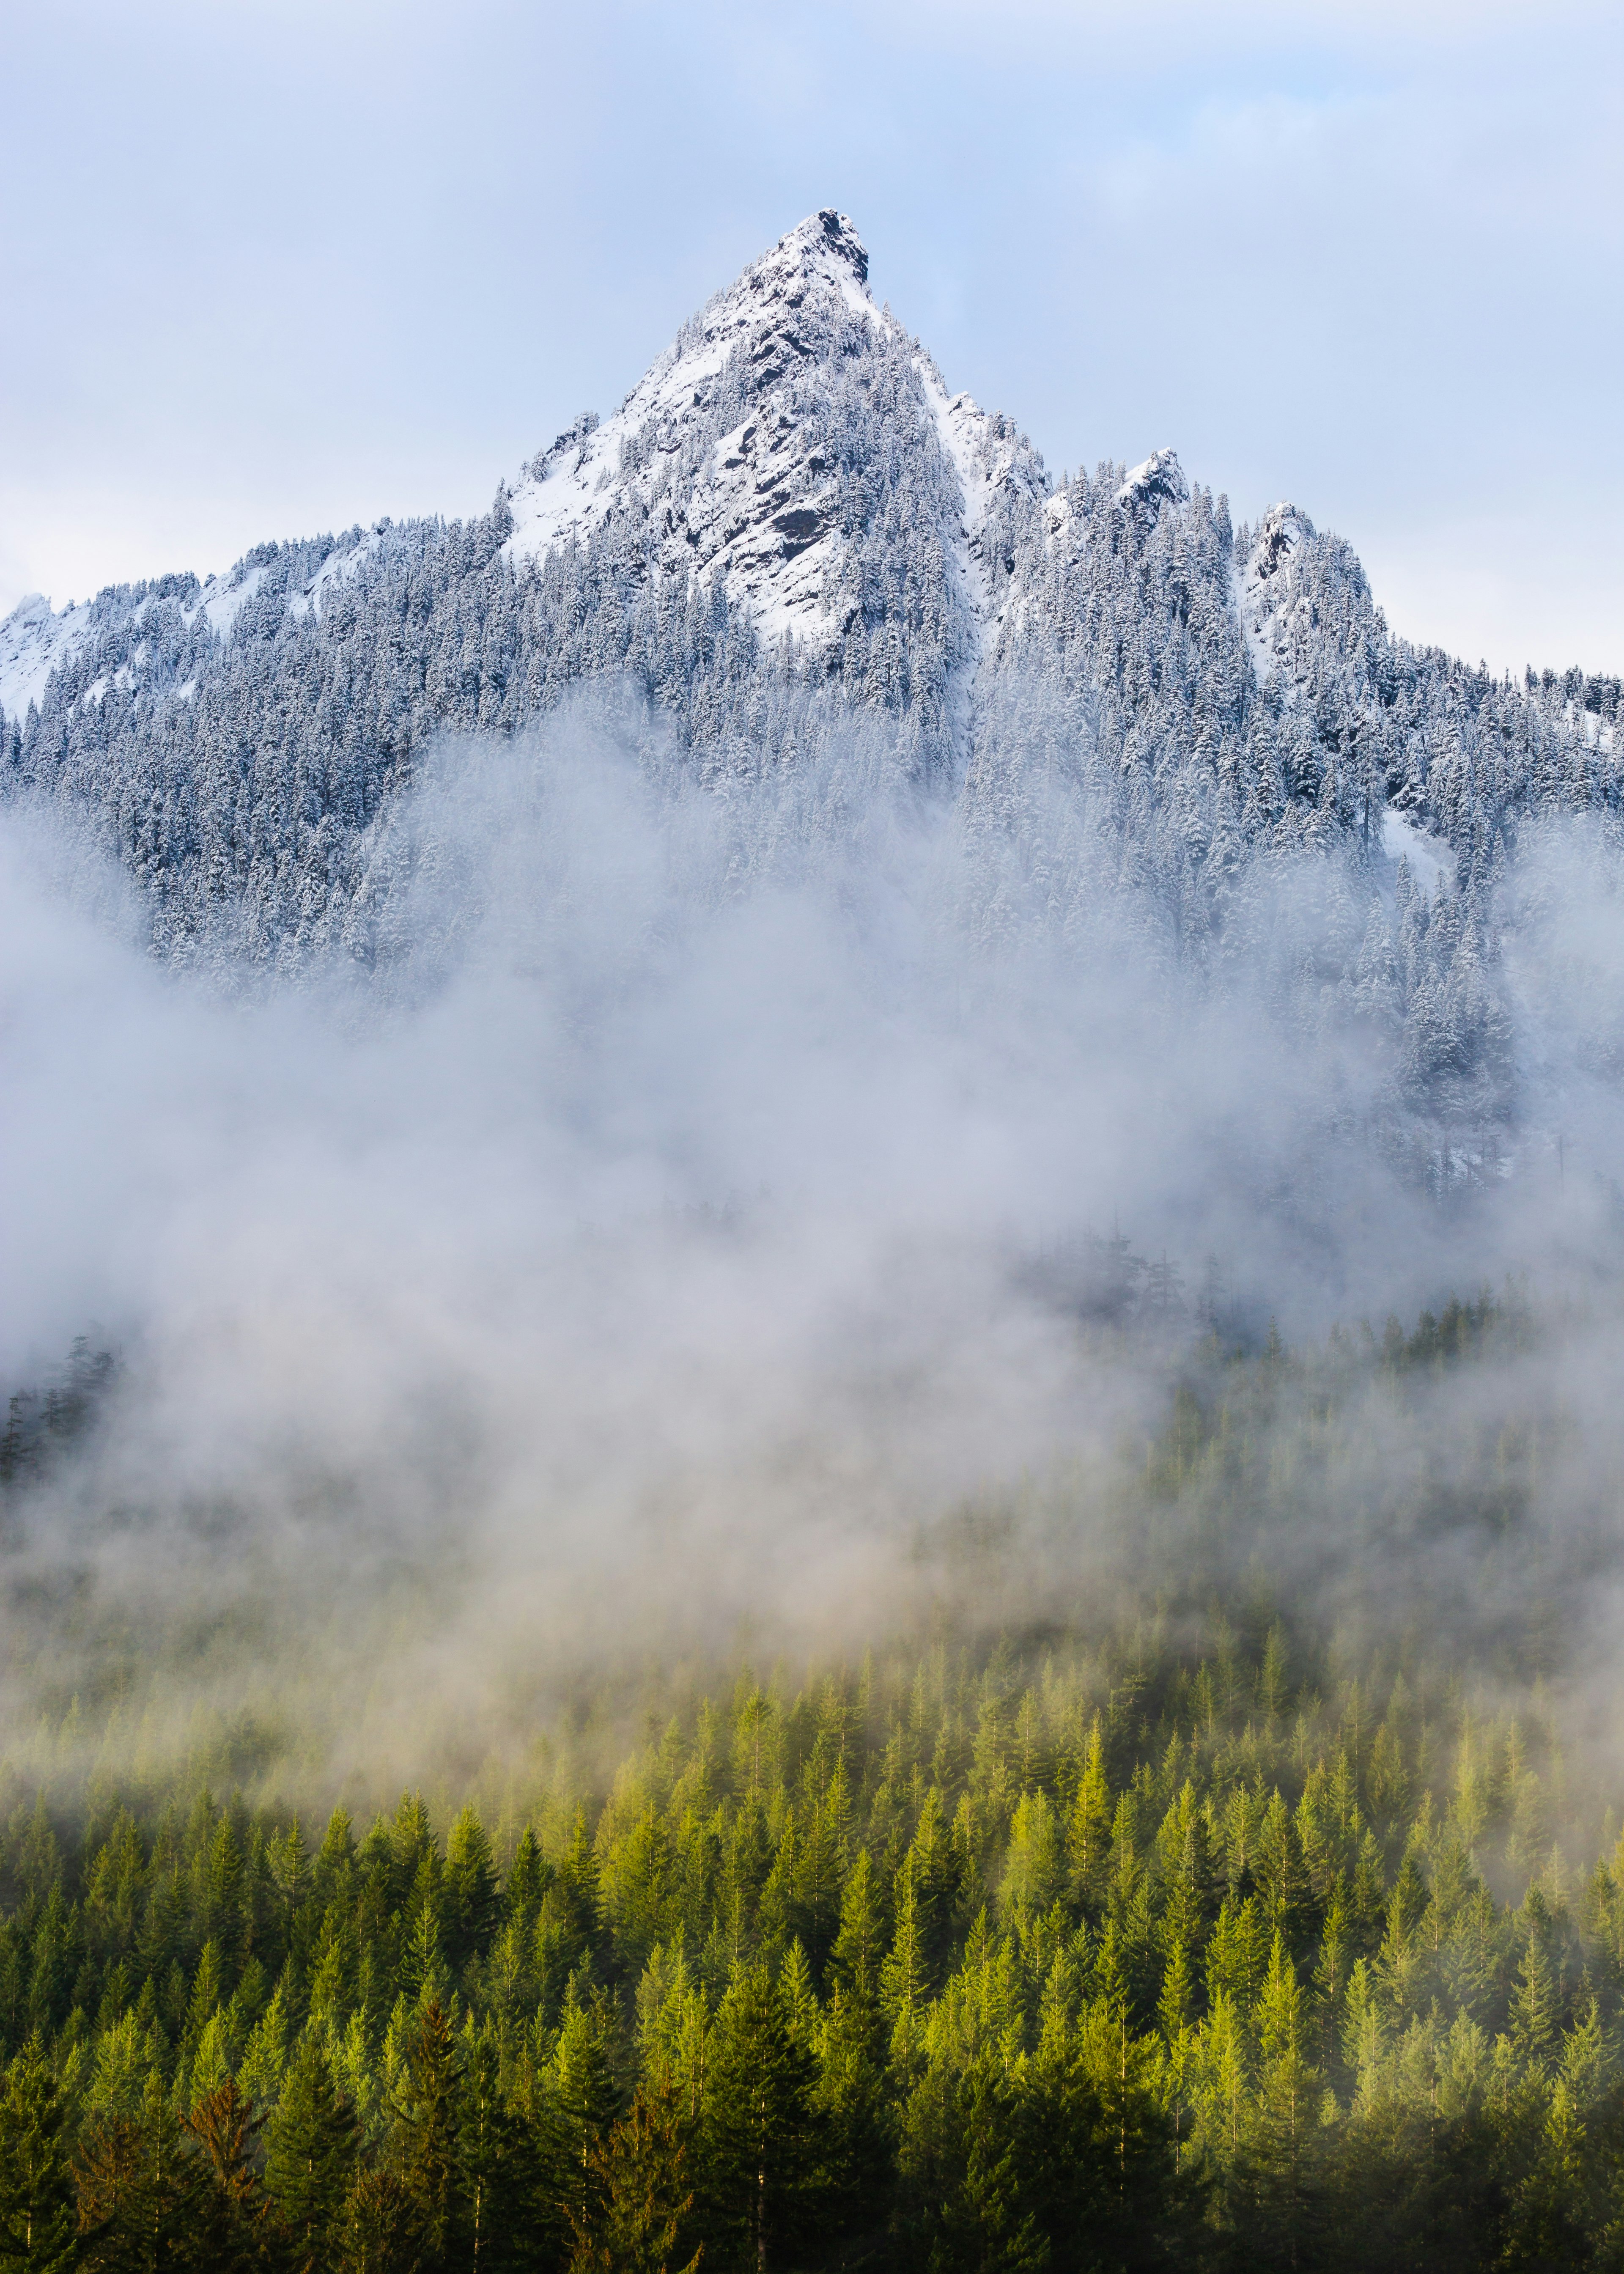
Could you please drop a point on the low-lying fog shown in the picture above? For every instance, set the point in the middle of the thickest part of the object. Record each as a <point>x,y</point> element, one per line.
<point>685,1216</point>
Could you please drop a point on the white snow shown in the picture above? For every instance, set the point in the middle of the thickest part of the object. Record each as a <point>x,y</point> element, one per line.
<point>1432,863</point>
<point>1159,480</point>
<point>1593,730</point>
<point>961,425</point>
<point>727,519</point>
<point>1259,596</point>
<point>223,599</point>
<point>34,642</point>
<point>985,455</point>
<point>341,566</point>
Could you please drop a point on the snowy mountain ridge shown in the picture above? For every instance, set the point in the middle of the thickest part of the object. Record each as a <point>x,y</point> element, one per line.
<point>755,506</point>
<point>789,528</point>
<point>36,643</point>
<point>752,508</point>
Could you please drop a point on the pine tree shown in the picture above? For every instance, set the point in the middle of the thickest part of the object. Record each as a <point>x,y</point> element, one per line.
<point>473,1901</point>
<point>501,2176</point>
<point>980,2225</point>
<point>1533,2016</point>
<point>1032,1876</point>
<point>640,2199</point>
<point>1088,1839</point>
<point>760,2129</point>
<point>335,1856</point>
<point>1279,2172</point>
<point>860,1945</point>
<point>853,2180</point>
<point>138,2189</point>
<point>576,1890</point>
<point>1173,2006</point>
<point>429,2142</point>
<point>228,2225</point>
<point>379,2231</point>
<point>527,1881</point>
<point>904,1984</point>
<point>588,2100</point>
<point>1331,1969</point>
<point>38,2217</point>
<point>313,2156</point>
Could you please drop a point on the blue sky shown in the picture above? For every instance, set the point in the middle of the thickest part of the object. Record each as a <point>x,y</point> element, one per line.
<point>278,268</point>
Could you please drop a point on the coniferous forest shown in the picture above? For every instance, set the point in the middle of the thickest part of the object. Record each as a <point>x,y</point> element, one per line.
<point>1188,1925</point>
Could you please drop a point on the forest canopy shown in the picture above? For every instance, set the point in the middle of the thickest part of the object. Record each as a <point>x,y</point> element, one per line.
<point>1196,1923</point>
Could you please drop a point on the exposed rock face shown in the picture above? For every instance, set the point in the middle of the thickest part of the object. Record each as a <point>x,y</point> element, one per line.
<point>1159,481</point>
<point>750,499</point>
<point>1281,531</point>
<point>723,459</point>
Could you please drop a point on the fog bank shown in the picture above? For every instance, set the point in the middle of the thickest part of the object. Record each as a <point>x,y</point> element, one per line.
<point>689,1214</point>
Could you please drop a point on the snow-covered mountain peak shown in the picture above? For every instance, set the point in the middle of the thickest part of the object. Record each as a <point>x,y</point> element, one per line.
<point>825,245</point>
<point>722,463</point>
<point>766,323</point>
<point>1159,481</point>
<point>760,331</point>
<point>1281,531</point>
<point>792,528</point>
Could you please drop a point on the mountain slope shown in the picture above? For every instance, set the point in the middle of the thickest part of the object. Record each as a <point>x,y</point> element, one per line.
<point>789,531</point>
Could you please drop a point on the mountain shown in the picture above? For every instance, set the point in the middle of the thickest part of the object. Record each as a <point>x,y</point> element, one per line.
<point>739,459</point>
<point>790,531</point>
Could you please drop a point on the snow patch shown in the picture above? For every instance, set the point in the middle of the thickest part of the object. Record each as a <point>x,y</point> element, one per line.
<point>34,644</point>
<point>223,599</point>
<point>1161,480</point>
<point>1432,863</point>
<point>961,428</point>
<point>988,455</point>
<point>341,566</point>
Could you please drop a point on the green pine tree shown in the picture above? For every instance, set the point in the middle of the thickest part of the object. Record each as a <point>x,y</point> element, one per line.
<point>38,2214</point>
<point>472,1898</point>
<point>587,2099</point>
<point>429,2140</point>
<point>980,2222</point>
<point>503,2214</point>
<point>761,2127</point>
<point>1281,2180</point>
<point>860,1945</point>
<point>312,2157</point>
<point>641,2200</point>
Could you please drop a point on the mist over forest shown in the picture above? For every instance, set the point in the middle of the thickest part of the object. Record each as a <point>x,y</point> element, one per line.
<point>811,1302</point>
<point>690,1219</point>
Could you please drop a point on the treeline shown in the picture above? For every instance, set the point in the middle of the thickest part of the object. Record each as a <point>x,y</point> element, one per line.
<point>1205,1938</point>
<point>1076,1961</point>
